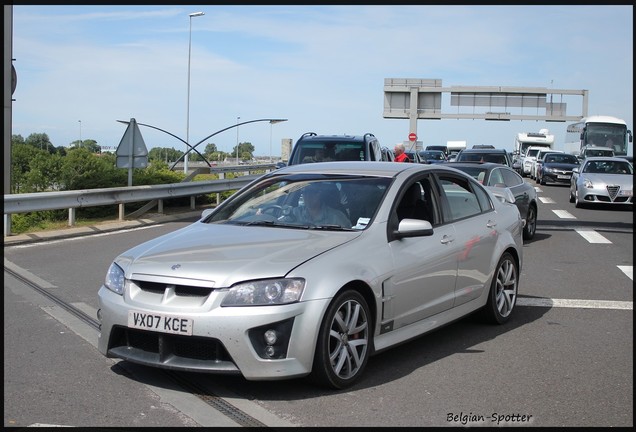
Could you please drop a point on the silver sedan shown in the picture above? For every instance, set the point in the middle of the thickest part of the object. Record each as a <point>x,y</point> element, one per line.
<point>602,180</point>
<point>313,268</point>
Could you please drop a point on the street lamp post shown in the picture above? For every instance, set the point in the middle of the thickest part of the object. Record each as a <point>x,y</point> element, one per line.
<point>185,158</point>
<point>237,140</point>
<point>272,122</point>
<point>79,144</point>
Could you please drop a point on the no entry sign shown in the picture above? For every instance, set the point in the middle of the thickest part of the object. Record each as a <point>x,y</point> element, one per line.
<point>412,137</point>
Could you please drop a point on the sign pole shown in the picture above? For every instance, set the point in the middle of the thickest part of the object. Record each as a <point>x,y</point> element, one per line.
<point>133,122</point>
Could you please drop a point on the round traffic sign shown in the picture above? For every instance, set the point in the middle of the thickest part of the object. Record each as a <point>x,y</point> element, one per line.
<point>412,137</point>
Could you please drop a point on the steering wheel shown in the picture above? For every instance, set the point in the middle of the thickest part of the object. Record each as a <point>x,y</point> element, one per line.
<point>273,209</point>
<point>282,213</point>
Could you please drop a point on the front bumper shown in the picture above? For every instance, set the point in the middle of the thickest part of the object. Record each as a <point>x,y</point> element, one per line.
<point>557,177</point>
<point>224,340</point>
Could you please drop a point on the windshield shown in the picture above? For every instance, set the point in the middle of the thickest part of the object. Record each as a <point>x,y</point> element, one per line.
<point>433,155</point>
<point>533,152</point>
<point>606,135</point>
<point>341,203</point>
<point>561,158</point>
<point>608,167</point>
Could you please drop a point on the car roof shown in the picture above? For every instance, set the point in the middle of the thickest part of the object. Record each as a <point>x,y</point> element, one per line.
<point>484,150</point>
<point>371,168</point>
<point>485,165</point>
<point>334,137</point>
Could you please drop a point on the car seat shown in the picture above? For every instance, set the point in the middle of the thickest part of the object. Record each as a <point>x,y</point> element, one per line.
<point>412,206</point>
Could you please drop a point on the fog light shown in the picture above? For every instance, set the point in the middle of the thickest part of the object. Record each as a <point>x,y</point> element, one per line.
<point>270,341</point>
<point>270,337</point>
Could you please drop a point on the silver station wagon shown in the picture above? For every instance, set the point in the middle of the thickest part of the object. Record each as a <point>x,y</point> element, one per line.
<point>313,268</point>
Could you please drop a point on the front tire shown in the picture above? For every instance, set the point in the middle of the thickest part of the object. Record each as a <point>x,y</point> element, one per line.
<point>577,201</point>
<point>344,342</point>
<point>503,291</point>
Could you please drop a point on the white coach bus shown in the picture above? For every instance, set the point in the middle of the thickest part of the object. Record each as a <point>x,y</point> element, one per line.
<point>600,131</point>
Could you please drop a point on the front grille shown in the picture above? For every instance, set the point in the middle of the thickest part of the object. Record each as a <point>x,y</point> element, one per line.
<point>613,191</point>
<point>179,290</point>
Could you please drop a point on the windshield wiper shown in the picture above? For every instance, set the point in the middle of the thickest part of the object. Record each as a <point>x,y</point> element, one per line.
<point>331,227</point>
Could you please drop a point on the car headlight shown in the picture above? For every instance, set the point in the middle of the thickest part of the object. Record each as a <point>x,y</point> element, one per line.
<point>115,279</point>
<point>549,169</point>
<point>265,292</point>
<point>587,183</point>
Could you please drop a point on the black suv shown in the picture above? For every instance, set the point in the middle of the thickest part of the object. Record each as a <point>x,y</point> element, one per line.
<point>500,156</point>
<point>312,147</point>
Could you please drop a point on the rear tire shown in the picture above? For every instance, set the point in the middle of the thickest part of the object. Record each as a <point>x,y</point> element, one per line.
<point>344,342</point>
<point>503,291</point>
<point>531,223</point>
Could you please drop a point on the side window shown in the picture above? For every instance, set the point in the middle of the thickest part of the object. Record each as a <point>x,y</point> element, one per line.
<point>461,199</point>
<point>511,178</point>
<point>495,177</point>
<point>419,202</point>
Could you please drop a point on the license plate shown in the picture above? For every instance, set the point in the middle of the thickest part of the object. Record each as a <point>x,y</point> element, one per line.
<point>160,322</point>
<point>563,176</point>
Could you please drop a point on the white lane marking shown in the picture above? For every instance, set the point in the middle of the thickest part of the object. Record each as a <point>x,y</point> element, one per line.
<point>546,200</point>
<point>592,236</point>
<point>564,214</point>
<point>573,303</point>
<point>628,270</point>
<point>538,189</point>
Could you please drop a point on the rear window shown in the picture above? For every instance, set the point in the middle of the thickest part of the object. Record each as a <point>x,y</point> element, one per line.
<point>317,151</point>
<point>483,157</point>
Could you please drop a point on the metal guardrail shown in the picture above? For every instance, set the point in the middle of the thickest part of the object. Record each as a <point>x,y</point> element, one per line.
<point>72,200</point>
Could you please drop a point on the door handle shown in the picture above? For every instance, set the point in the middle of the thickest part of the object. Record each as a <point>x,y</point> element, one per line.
<point>491,224</point>
<point>446,239</point>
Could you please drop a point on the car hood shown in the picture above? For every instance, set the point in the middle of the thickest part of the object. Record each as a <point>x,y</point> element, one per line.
<point>218,255</point>
<point>625,181</point>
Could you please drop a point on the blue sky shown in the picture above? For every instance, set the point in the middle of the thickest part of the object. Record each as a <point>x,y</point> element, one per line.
<point>82,68</point>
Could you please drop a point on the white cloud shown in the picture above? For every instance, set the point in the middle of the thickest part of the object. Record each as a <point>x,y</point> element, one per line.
<point>322,67</point>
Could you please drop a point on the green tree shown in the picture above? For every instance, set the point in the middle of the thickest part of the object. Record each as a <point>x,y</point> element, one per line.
<point>167,155</point>
<point>21,156</point>
<point>44,172</point>
<point>17,139</point>
<point>85,170</point>
<point>41,141</point>
<point>158,172</point>
<point>245,151</point>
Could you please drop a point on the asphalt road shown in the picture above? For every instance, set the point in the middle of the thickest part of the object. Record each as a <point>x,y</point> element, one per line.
<point>564,360</point>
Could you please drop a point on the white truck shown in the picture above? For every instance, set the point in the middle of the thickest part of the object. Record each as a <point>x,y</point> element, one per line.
<point>527,145</point>
<point>454,147</point>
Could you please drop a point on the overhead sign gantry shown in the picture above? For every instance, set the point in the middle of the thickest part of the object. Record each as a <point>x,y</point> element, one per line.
<point>413,99</point>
